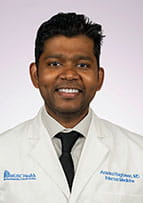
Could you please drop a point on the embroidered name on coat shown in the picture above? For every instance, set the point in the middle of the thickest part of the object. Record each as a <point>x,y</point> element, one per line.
<point>18,176</point>
<point>120,177</point>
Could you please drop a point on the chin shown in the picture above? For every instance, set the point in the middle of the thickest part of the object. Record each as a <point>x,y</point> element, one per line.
<point>67,111</point>
<point>70,110</point>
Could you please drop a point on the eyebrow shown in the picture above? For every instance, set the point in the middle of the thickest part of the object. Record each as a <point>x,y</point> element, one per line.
<point>76,57</point>
<point>54,56</point>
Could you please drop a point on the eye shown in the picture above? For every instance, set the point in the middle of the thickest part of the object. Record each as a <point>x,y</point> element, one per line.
<point>54,64</point>
<point>82,65</point>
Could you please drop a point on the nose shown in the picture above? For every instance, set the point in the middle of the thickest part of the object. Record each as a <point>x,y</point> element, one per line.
<point>69,73</point>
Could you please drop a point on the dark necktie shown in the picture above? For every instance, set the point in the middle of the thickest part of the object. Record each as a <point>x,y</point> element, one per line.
<point>67,141</point>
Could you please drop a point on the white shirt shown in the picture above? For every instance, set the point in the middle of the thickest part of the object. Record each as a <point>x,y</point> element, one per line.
<point>53,127</point>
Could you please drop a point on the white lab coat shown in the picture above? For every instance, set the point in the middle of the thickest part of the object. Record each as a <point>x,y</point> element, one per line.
<point>110,168</point>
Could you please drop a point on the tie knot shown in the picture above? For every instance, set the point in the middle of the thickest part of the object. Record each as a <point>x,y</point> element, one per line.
<point>68,140</point>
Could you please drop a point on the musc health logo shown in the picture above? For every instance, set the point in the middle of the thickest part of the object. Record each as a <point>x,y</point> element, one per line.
<point>18,176</point>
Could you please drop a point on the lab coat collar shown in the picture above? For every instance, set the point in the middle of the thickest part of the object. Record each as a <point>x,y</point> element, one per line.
<point>93,148</point>
<point>43,152</point>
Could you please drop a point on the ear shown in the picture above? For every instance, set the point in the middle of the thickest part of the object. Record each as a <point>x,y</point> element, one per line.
<point>100,78</point>
<point>34,74</point>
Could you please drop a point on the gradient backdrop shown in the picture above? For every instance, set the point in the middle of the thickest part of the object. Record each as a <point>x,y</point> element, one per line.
<point>121,98</point>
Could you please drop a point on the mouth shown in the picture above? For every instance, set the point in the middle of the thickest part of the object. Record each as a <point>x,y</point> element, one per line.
<point>68,92</point>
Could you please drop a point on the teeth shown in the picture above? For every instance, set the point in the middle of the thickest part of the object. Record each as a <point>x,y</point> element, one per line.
<point>69,90</point>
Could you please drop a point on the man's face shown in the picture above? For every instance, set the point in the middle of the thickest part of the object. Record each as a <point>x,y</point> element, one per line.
<point>67,75</point>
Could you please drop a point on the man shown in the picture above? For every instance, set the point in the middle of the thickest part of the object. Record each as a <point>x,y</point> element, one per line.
<point>67,154</point>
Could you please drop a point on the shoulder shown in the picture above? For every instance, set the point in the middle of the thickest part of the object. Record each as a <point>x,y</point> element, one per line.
<point>15,133</point>
<point>20,131</point>
<point>16,142</point>
<point>125,148</point>
<point>118,129</point>
<point>115,132</point>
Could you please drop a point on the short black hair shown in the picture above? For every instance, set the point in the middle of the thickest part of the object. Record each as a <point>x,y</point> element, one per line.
<point>69,25</point>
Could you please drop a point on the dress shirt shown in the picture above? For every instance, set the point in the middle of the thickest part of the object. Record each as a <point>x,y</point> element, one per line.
<point>53,127</point>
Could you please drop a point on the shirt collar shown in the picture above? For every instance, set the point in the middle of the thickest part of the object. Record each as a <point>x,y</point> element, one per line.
<point>53,127</point>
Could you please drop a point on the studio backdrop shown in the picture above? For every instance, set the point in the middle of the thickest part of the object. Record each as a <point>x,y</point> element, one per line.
<point>121,97</point>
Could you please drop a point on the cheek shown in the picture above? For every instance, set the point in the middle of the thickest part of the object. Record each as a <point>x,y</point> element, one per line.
<point>44,84</point>
<point>91,82</point>
<point>45,79</point>
<point>91,85</point>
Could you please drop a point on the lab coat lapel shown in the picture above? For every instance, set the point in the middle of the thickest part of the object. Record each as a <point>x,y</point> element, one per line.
<point>45,155</point>
<point>93,155</point>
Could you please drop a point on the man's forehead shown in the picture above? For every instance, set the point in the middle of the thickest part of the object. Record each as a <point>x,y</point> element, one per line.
<point>78,47</point>
<point>57,38</point>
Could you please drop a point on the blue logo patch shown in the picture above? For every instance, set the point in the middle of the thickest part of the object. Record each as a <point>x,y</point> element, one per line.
<point>18,176</point>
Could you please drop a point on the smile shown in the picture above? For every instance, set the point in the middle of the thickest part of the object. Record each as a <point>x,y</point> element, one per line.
<point>67,90</point>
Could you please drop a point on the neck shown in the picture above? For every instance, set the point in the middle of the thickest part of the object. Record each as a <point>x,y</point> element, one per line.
<point>68,120</point>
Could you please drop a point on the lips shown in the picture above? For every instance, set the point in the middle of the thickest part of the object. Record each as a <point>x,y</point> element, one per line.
<point>68,88</point>
<point>68,92</point>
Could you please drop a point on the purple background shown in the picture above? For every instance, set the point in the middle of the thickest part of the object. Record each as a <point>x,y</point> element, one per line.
<point>121,98</point>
